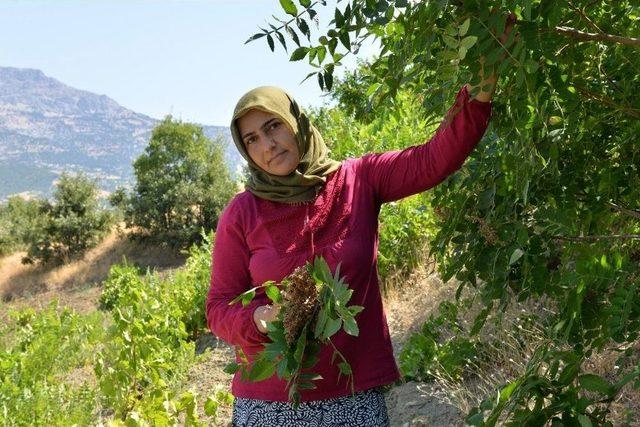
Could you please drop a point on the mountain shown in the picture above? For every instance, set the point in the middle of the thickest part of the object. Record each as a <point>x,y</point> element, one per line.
<point>47,127</point>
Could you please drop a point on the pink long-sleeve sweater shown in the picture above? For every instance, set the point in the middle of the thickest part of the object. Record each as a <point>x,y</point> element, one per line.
<point>259,240</point>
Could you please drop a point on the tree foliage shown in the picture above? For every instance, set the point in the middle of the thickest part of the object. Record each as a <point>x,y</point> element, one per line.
<point>548,203</point>
<point>19,218</point>
<point>182,184</point>
<point>73,222</point>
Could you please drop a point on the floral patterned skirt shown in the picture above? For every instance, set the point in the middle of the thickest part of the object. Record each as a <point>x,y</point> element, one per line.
<point>365,408</point>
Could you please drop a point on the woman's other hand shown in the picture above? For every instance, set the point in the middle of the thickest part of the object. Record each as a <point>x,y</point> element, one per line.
<point>265,314</point>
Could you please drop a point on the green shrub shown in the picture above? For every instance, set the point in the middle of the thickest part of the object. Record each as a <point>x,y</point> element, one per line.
<point>191,286</point>
<point>146,356</point>
<point>439,350</point>
<point>39,354</point>
<point>120,276</point>
<point>73,223</point>
<point>19,219</point>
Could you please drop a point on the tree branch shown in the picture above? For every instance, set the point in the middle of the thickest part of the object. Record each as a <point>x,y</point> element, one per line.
<point>596,237</point>
<point>624,108</point>
<point>630,212</point>
<point>581,35</point>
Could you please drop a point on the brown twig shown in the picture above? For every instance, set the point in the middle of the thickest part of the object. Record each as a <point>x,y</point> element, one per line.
<point>630,212</point>
<point>582,35</point>
<point>631,111</point>
<point>586,18</point>
<point>596,237</point>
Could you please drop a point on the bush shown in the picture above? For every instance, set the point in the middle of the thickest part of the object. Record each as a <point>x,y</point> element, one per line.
<point>120,277</point>
<point>182,185</point>
<point>191,286</point>
<point>439,350</point>
<point>38,360</point>
<point>73,223</point>
<point>19,218</point>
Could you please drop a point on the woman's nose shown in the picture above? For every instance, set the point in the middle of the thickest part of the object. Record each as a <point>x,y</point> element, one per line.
<point>269,141</point>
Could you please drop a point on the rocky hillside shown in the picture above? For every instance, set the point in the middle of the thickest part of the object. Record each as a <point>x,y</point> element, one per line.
<point>47,127</point>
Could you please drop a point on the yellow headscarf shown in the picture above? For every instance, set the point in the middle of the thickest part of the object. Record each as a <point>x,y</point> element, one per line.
<point>302,184</point>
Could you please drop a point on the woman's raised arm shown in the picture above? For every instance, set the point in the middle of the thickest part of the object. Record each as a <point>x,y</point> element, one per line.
<point>397,174</point>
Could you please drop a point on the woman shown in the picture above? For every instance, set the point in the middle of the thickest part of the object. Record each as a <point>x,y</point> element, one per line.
<point>300,203</point>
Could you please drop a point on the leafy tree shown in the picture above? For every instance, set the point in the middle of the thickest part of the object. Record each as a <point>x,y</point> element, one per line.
<point>18,218</point>
<point>547,206</point>
<point>182,184</point>
<point>74,221</point>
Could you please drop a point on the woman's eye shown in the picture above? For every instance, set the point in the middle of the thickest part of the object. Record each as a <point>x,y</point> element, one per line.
<point>250,140</point>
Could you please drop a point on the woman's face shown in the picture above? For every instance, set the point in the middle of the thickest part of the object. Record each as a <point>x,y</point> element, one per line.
<point>269,142</point>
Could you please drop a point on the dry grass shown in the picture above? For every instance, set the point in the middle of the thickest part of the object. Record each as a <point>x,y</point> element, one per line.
<point>76,284</point>
<point>508,346</point>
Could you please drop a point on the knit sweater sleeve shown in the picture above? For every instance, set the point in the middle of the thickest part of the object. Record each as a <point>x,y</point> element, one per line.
<point>229,278</point>
<point>397,174</point>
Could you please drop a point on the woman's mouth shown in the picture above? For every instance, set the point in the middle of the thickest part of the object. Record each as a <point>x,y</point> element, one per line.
<point>276,156</point>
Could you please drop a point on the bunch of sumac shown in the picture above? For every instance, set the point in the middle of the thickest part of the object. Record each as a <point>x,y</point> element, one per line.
<point>313,308</point>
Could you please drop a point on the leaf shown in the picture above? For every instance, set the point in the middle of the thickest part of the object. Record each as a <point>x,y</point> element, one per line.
<point>328,79</point>
<point>308,75</point>
<point>515,256</point>
<point>293,34</point>
<point>462,52</point>
<point>345,368</point>
<point>355,309</point>
<point>505,392</point>
<point>289,7</point>
<point>468,41</point>
<point>531,66</point>
<point>255,37</point>
<point>322,53</point>
<point>247,297</point>
<point>261,370</point>
<point>270,42</point>
<point>595,383</point>
<point>351,327</point>
<point>211,407</point>
<point>321,321</point>
<point>299,53</point>
<point>303,27</point>
<point>339,18</point>
<point>305,3</point>
<point>231,368</point>
<point>464,27</point>
<point>273,293</point>
<point>450,41</point>
<point>345,40</point>
<point>584,421</point>
<point>281,40</point>
<point>301,344</point>
<point>332,326</point>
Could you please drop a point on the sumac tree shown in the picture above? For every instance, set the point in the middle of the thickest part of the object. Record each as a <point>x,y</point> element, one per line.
<point>547,205</point>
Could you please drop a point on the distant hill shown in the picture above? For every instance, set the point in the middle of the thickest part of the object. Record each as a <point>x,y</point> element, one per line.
<point>47,127</point>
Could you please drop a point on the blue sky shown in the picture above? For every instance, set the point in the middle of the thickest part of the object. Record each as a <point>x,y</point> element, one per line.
<point>181,57</point>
